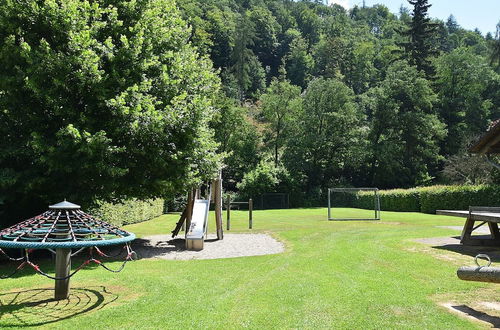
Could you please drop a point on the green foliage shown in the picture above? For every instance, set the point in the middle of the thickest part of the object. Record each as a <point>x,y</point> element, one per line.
<point>430,199</point>
<point>463,80</point>
<point>418,48</point>
<point>262,179</point>
<point>101,100</point>
<point>280,105</point>
<point>298,62</point>
<point>328,138</point>
<point>458,197</point>
<point>128,211</point>
<point>241,145</point>
<point>405,130</point>
<point>401,200</point>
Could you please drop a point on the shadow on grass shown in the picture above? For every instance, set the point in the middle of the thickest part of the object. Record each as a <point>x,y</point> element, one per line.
<point>453,244</point>
<point>476,314</point>
<point>37,307</point>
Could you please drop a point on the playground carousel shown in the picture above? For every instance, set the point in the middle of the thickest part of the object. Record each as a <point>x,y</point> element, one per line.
<point>65,230</point>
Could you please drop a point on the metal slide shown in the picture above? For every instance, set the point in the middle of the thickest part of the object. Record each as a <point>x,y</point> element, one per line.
<point>195,236</point>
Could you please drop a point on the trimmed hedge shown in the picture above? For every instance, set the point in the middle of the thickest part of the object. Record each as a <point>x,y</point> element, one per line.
<point>458,197</point>
<point>130,211</point>
<point>430,199</point>
<point>399,200</point>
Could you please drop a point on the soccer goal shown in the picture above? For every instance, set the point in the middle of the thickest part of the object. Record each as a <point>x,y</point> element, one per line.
<point>347,197</point>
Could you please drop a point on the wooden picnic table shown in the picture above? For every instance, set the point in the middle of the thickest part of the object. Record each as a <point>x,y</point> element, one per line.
<point>485,215</point>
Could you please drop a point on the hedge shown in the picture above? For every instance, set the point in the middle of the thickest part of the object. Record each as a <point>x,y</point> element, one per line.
<point>130,211</point>
<point>400,200</point>
<point>430,199</point>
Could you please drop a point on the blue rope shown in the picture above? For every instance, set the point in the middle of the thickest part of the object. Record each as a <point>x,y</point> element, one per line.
<point>64,245</point>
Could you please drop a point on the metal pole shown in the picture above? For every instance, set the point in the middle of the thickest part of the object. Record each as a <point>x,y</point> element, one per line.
<point>228,211</point>
<point>250,208</point>
<point>63,268</point>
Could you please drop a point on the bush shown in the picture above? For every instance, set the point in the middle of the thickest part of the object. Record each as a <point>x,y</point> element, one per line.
<point>130,211</point>
<point>458,197</point>
<point>430,199</point>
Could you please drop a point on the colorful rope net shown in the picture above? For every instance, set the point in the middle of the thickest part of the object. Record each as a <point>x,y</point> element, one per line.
<point>65,226</point>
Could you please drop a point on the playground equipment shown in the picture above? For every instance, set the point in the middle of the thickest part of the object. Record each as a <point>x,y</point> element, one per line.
<point>228,212</point>
<point>60,229</point>
<point>480,273</point>
<point>195,216</point>
<point>353,192</point>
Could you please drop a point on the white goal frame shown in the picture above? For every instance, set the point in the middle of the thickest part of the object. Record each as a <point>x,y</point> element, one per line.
<point>376,202</point>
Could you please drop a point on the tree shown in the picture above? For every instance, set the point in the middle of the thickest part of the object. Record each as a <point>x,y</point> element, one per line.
<point>417,48</point>
<point>462,83</point>
<point>452,24</point>
<point>247,69</point>
<point>328,136</point>
<point>266,42</point>
<point>238,139</point>
<point>100,100</point>
<point>405,130</point>
<point>280,104</point>
<point>495,53</point>
<point>298,63</point>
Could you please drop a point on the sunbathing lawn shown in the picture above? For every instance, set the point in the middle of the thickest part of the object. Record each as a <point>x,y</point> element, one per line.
<point>355,274</point>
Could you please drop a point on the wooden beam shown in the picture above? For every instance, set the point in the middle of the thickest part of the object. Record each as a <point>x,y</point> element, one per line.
<point>217,184</point>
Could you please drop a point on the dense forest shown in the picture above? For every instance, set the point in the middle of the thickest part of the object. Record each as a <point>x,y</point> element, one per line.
<point>113,100</point>
<point>317,96</point>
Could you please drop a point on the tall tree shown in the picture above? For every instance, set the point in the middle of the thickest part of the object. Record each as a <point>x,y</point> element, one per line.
<point>417,48</point>
<point>100,100</point>
<point>327,136</point>
<point>280,104</point>
<point>247,69</point>
<point>462,82</point>
<point>495,52</point>
<point>405,130</point>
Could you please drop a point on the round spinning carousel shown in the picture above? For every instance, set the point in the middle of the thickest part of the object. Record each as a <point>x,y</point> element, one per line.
<point>61,229</point>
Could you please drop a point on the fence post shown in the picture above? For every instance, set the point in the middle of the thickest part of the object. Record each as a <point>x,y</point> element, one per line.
<point>228,213</point>
<point>250,208</point>
<point>329,205</point>
<point>217,184</point>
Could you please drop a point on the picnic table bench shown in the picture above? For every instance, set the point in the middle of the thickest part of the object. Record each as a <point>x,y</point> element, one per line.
<point>485,215</point>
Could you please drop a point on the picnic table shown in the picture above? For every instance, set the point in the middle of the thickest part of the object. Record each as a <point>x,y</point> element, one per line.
<point>484,215</point>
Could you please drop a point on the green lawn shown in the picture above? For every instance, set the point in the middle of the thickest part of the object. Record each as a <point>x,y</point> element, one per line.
<point>333,275</point>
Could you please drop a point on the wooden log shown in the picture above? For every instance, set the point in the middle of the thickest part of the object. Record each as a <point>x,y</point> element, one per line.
<point>217,184</point>
<point>479,274</point>
<point>63,268</point>
<point>228,213</point>
<point>250,209</point>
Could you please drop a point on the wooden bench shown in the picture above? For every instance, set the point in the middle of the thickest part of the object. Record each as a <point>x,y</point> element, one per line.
<point>485,215</point>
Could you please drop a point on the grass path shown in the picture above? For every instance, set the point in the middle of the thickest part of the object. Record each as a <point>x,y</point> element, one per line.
<point>332,275</point>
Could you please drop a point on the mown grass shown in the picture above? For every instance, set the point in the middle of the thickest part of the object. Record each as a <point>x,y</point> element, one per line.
<point>355,274</point>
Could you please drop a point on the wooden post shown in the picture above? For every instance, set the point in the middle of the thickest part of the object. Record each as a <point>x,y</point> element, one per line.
<point>228,213</point>
<point>190,205</point>
<point>63,268</point>
<point>217,184</point>
<point>250,208</point>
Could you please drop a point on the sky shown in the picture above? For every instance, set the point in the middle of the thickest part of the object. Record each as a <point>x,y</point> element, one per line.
<point>470,14</point>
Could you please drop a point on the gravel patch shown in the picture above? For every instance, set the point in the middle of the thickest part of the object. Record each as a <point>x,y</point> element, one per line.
<point>481,230</point>
<point>232,246</point>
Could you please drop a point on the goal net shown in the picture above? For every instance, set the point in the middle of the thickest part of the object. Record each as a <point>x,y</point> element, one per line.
<point>363,198</point>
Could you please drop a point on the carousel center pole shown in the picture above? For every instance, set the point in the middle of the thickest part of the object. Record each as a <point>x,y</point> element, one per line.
<point>63,268</point>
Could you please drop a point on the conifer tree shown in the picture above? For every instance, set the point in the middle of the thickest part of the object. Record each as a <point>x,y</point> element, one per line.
<point>417,49</point>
